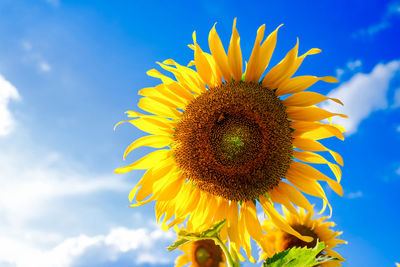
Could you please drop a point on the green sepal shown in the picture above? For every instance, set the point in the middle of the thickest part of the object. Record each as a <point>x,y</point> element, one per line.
<point>185,236</point>
<point>177,244</point>
<point>299,256</point>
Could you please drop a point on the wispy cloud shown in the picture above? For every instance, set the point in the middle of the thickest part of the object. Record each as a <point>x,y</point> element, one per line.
<point>351,66</point>
<point>7,92</point>
<point>44,66</point>
<point>55,3</point>
<point>392,10</point>
<point>34,57</point>
<point>363,94</point>
<point>398,171</point>
<point>353,195</point>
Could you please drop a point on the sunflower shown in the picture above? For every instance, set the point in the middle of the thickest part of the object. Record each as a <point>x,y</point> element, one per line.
<point>303,223</point>
<point>227,140</point>
<point>201,253</point>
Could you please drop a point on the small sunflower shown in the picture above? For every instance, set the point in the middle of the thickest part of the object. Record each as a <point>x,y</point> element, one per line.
<point>227,140</point>
<point>201,253</point>
<point>278,240</point>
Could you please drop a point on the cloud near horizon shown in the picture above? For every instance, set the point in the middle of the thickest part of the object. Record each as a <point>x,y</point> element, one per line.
<point>138,245</point>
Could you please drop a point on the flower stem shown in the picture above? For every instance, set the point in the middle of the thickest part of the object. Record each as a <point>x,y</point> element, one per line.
<point>231,262</point>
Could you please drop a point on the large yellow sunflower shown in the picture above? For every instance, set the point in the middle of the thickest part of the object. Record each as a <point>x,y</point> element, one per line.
<point>201,253</point>
<point>227,140</point>
<point>302,222</point>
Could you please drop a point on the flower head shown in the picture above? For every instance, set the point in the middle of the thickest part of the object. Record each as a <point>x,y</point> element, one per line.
<point>228,140</point>
<point>201,253</point>
<point>319,229</point>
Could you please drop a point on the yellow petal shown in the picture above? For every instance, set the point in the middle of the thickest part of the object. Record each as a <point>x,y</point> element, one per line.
<point>180,91</point>
<point>156,176</point>
<point>156,74</point>
<point>158,107</point>
<point>281,72</point>
<point>279,221</point>
<point>245,236</point>
<point>154,125</point>
<point>232,223</point>
<point>301,83</point>
<point>219,55</point>
<point>300,59</point>
<point>202,65</point>
<point>169,189</point>
<point>148,161</point>
<point>182,260</point>
<point>282,199</point>
<point>235,54</point>
<point>299,169</point>
<point>303,99</point>
<point>249,212</point>
<point>156,141</point>
<point>308,186</point>
<point>251,67</point>
<point>163,91</point>
<point>311,157</point>
<point>190,78</point>
<point>266,51</point>
<point>294,196</point>
<point>312,145</point>
<point>316,130</point>
<point>311,113</point>
<point>190,82</point>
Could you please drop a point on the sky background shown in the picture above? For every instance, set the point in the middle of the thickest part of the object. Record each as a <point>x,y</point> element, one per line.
<point>69,70</point>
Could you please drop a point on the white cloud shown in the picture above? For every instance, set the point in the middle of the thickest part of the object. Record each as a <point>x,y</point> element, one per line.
<point>398,128</point>
<point>38,179</point>
<point>392,10</point>
<point>44,66</point>
<point>357,194</point>
<point>398,171</point>
<point>7,92</point>
<point>142,243</point>
<point>362,94</point>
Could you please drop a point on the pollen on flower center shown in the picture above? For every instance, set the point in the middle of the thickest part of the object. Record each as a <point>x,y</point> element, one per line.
<point>234,141</point>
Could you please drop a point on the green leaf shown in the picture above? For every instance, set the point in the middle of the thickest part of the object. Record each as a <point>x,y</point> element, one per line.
<point>299,257</point>
<point>177,244</point>
<point>185,236</point>
<point>207,234</point>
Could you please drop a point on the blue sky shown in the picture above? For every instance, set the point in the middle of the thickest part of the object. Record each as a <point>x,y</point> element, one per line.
<point>69,69</point>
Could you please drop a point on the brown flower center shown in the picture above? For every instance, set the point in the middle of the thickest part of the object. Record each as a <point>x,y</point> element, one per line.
<point>206,254</point>
<point>292,241</point>
<point>234,141</point>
